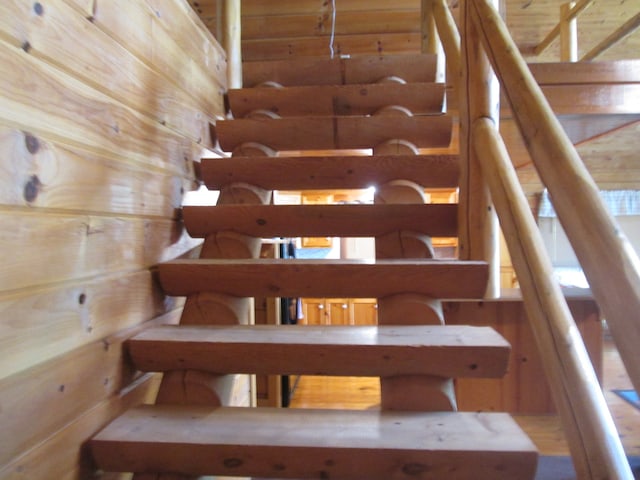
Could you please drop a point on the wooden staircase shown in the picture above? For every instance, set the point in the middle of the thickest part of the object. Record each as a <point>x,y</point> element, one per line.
<point>359,103</point>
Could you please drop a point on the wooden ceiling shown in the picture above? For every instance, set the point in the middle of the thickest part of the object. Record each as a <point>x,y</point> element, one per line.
<point>278,29</point>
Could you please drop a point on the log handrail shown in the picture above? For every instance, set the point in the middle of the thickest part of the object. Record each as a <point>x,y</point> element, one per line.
<point>609,262</point>
<point>588,426</point>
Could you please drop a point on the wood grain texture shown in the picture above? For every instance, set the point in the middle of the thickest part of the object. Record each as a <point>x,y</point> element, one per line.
<point>304,442</point>
<point>314,350</point>
<point>595,451</point>
<point>63,455</point>
<point>352,99</point>
<point>438,220</point>
<point>338,278</point>
<point>317,133</point>
<point>97,138</point>
<point>327,71</point>
<point>347,23</point>
<point>200,70</point>
<point>41,324</point>
<point>554,73</point>
<point>47,174</point>
<point>66,39</point>
<point>348,45</point>
<point>605,254</point>
<point>84,246</point>
<point>77,114</point>
<point>335,172</point>
<point>66,388</point>
<point>524,388</point>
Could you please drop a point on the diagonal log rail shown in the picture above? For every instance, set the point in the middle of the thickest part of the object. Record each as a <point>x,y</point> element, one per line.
<point>619,34</point>
<point>595,447</point>
<point>604,252</point>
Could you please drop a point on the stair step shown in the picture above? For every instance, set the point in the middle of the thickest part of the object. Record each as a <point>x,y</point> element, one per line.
<point>326,133</point>
<point>332,172</point>
<point>266,221</point>
<point>419,98</point>
<point>325,278</point>
<point>304,443</point>
<point>446,351</point>
<point>326,71</point>
<point>339,172</point>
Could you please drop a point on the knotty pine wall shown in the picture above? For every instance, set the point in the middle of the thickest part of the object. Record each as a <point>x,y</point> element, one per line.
<point>104,105</point>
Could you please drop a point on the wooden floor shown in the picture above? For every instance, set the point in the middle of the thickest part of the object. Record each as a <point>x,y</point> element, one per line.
<point>545,431</point>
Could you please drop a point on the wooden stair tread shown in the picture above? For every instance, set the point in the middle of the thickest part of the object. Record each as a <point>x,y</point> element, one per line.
<point>265,221</point>
<point>339,133</point>
<point>446,351</point>
<point>303,443</point>
<point>419,98</point>
<point>325,278</point>
<point>326,71</point>
<point>339,172</point>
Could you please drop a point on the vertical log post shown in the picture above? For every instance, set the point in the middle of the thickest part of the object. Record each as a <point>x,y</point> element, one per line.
<point>568,34</point>
<point>479,97</point>
<point>232,40</point>
<point>430,39</point>
<point>408,392</point>
<point>450,37</point>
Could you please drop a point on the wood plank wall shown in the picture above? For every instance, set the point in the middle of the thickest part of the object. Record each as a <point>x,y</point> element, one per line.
<point>292,28</point>
<point>104,107</point>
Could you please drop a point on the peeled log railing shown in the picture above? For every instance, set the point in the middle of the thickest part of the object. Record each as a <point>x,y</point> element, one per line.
<point>607,257</point>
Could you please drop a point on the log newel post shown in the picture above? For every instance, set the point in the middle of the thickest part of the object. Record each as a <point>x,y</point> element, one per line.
<point>231,37</point>
<point>568,34</point>
<point>430,38</point>
<point>479,97</point>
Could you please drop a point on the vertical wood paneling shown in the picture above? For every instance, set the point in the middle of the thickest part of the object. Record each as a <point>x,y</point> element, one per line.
<point>524,388</point>
<point>104,107</point>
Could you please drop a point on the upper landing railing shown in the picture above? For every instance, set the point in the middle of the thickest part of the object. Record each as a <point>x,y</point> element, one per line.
<point>566,29</point>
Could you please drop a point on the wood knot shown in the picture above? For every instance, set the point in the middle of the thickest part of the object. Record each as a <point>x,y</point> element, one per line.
<point>32,143</point>
<point>32,188</point>
<point>414,469</point>
<point>232,462</point>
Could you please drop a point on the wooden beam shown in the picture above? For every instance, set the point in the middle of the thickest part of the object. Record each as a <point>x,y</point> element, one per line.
<point>479,97</point>
<point>568,34</point>
<point>318,133</point>
<point>335,172</point>
<point>626,29</point>
<point>335,278</point>
<point>557,73</point>
<point>231,41</point>
<point>265,221</point>
<point>457,351</point>
<point>430,38</point>
<point>325,71</point>
<point>320,100</point>
<point>339,444</point>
